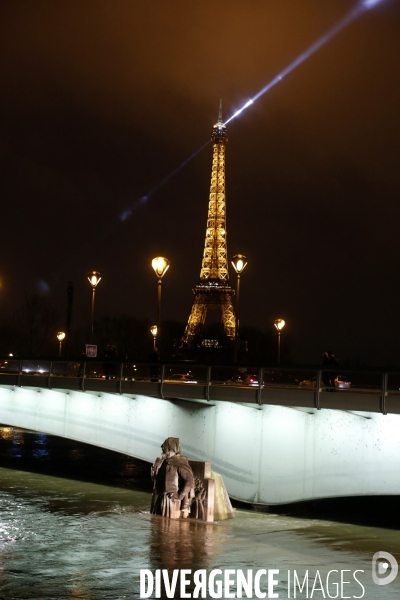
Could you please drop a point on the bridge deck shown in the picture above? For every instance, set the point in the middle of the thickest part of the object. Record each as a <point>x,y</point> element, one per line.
<point>374,391</point>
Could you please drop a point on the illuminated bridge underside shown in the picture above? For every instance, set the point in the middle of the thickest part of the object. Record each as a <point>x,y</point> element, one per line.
<point>270,454</point>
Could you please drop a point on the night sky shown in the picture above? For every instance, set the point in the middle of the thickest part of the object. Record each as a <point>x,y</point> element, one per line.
<point>103,99</point>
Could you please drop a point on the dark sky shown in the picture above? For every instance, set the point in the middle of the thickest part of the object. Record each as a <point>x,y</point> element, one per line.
<point>103,99</point>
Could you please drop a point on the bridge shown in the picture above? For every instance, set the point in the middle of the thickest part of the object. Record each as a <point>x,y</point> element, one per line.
<point>275,435</point>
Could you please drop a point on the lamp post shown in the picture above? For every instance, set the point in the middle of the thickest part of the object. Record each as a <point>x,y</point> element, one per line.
<point>94,279</point>
<point>279,325</point>
<point>239,262</point>
<point>160,266</point>
<point>60,337</point>
<point>154,330</point>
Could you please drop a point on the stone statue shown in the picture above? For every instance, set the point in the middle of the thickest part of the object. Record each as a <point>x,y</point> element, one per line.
<point>173,482</point>
<point>200,496</point>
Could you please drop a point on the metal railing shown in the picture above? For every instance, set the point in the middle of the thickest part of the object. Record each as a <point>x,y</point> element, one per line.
<point>357,390</point>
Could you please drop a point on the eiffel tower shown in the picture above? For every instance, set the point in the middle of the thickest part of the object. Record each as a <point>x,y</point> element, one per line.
<point>213,290</point>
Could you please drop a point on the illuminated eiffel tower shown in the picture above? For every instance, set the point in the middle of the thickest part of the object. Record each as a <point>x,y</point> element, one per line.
<point>213,290</point>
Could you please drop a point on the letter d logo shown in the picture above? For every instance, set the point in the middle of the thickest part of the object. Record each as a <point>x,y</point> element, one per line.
<point>381,568</point>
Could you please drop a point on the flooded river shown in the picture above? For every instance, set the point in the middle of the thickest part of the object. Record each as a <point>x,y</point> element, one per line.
<point>75,524</point>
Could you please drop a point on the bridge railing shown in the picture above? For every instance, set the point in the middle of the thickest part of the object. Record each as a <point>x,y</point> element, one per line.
<point>311,387</point>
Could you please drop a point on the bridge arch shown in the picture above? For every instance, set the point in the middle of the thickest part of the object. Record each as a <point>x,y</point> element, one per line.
<point>267,454</point>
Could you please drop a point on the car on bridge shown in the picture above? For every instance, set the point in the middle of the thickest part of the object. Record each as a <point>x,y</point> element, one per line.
<point>9,366</point>
<point>341,383</point>
<point>243,379</point>
<point>180,378</point>
<point>272,378</point>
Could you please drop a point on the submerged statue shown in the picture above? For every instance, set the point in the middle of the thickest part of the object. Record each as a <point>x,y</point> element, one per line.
<point>173,482</point>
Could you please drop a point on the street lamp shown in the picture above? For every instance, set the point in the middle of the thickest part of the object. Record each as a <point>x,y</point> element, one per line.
<point>239,262</point>
<point>279,325</point>
<point>60,337</point>
<point>154,330</point>
<point>160,266</point>
<point>94,279</point>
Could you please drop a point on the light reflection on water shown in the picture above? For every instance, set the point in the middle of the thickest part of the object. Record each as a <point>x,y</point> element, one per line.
<point>40,449</point>
<point>64,538</point>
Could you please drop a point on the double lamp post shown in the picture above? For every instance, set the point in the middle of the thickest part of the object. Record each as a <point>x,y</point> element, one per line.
<point>94,279</point>
<point>160,265</point>
<point>239,262</point>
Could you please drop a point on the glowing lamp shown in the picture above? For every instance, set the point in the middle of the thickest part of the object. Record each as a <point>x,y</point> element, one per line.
<point>94,278</point>
<point>160,266</point>
<point>279,324</point>
<point>239,262</point>
<point>154,331</point>
<point>60,337</point>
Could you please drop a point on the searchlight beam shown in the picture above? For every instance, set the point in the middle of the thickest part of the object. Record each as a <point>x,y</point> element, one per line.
<point>362,7</point>
<point>344,22</point>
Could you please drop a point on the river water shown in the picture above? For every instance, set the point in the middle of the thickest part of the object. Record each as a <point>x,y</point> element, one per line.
<point>75,524</point>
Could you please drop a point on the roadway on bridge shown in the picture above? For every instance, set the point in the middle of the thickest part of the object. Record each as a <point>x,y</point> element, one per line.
<point>356,399</point>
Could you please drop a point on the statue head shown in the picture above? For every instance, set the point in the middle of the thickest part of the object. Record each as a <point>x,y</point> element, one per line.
<point>171,446</point>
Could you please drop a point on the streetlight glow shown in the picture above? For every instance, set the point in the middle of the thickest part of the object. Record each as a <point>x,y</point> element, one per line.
<point>60,337</point>
<point>154,330</point>
<point>94,278</point>
<point>239,261</point>
<point>160,266</point>
<point>279,324</point>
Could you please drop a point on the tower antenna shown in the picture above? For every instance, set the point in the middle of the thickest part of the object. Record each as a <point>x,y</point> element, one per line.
<point>220,112</point>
